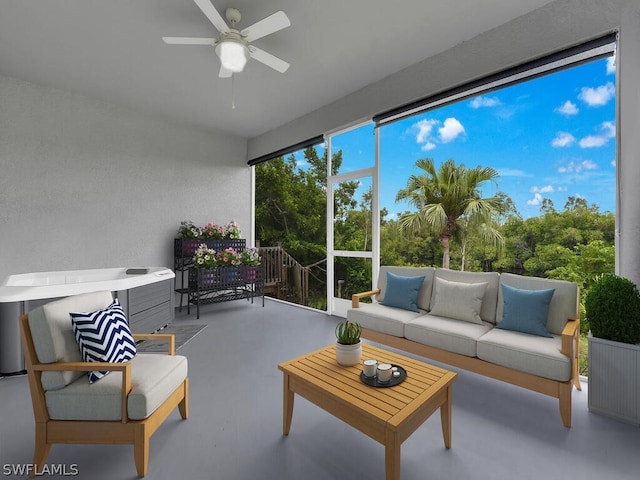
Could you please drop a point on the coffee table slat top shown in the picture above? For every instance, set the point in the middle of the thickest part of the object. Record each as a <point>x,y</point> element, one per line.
<point>391,404</point>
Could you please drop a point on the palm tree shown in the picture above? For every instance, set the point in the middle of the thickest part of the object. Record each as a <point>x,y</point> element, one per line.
<point>447,197</point>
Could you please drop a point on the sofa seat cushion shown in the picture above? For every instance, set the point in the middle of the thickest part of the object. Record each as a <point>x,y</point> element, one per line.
<point>389,320</point>
<point>457,336</point>
<point>538,356</point>
<point>153,378</point>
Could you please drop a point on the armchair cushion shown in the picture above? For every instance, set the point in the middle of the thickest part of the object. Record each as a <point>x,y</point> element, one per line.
<point>153,378</point>
<point>103,336</point>
<point>53,337</point>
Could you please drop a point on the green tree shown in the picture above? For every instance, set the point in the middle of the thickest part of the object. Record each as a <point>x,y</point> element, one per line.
<point>446,198</point>
<point>290,208</point>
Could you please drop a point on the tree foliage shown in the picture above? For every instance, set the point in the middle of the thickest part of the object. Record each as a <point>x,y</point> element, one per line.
<point>575,244</point>
<point>449,204</point>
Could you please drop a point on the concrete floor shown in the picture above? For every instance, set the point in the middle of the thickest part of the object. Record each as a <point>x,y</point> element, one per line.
<point>234,431</point>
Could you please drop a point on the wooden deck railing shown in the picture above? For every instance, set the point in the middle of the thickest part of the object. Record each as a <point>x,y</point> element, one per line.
<point>285,277</point>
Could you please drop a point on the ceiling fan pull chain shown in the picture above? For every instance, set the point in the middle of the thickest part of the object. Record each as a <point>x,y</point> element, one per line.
<point>233,91</point>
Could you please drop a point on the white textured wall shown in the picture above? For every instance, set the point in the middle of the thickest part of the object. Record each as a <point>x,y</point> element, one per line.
<point>86,184</point>
<point>555,26</point>
<point>628,214</point>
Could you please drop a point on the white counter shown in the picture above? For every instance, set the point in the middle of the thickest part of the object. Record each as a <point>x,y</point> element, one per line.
<point>33,286</point>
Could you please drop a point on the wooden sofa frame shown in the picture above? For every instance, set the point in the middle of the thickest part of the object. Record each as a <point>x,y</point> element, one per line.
<point>123,431</point>
<point>560,390</point>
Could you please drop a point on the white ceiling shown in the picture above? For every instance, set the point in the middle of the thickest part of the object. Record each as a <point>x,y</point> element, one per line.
<point>112,50</point>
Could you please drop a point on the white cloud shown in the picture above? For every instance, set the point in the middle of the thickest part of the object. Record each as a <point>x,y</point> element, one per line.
<point>428,139</point>
<point>577,167</point>
<point>484,102</point>
<point>608,131</point>
<point>563,139</point>
<point>451,129</point>
<point>611,65</point>
<point>536,200</point>
<point>512,172</point>
<point>424,129</point>
<point>596,97</point>
<point>568,108</point>
<point>591,141</point>
<point>545,189</point>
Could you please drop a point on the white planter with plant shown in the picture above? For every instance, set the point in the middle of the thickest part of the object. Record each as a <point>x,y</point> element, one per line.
<point>348,344</point>
<point>613,311</point>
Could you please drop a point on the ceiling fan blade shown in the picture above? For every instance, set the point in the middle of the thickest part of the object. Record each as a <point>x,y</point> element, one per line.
<point>266,26</point>
<point>268,59</point>
<point>224,73</point>
<point>212,14</point>
<point>188,41</point>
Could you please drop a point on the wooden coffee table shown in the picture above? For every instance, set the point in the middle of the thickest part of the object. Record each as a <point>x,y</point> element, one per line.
<point>388,415</point>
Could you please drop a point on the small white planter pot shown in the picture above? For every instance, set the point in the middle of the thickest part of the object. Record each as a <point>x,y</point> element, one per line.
<point>348,355</point>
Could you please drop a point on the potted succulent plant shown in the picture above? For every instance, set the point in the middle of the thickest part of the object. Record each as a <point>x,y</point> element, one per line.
<point>612,308</point>
<point>348,345</point>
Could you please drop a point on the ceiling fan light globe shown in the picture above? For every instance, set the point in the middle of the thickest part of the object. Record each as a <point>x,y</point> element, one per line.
<point>233,55</point>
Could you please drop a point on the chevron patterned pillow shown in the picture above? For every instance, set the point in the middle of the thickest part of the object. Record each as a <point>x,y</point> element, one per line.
<point>104,336</point>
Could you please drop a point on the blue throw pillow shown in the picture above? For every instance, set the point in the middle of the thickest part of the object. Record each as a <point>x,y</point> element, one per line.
<point>526,310</point>
<point>402,292</point>
<point>104,336</point>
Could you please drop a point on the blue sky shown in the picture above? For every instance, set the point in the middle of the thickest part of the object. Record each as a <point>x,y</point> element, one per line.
<point>552,137</point>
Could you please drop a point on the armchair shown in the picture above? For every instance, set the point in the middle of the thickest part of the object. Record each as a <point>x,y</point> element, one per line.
<point>125,407</point>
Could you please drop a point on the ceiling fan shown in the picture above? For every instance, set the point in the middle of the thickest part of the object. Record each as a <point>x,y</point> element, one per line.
<point>234,46</point>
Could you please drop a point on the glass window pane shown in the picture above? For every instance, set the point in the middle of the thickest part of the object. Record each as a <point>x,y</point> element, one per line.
<point>352,275</point>
<point>353,150</point>
<point>352,215</point>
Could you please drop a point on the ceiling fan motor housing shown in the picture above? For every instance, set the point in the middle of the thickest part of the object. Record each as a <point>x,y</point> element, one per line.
<point>233,16</point>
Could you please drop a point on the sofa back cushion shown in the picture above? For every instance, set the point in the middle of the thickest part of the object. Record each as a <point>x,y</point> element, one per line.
<point>563,305</point>
<point>424,295</point>
<point>53,336</point>
<point>490,297</point>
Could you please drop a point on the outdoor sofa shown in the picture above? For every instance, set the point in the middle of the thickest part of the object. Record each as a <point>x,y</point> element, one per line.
<point>521,330</point>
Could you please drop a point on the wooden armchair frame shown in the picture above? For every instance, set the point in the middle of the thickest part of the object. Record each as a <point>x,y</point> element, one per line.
<point>123,431</point>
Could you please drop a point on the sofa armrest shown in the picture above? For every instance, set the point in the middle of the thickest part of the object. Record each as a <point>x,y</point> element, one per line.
<point>570,334</point>
<point>355,298</point>
<point>124,367</point>
<point>170,338</point>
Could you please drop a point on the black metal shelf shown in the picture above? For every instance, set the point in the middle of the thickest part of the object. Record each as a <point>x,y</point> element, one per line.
<point>184,250</point>
<point>222,284</point>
